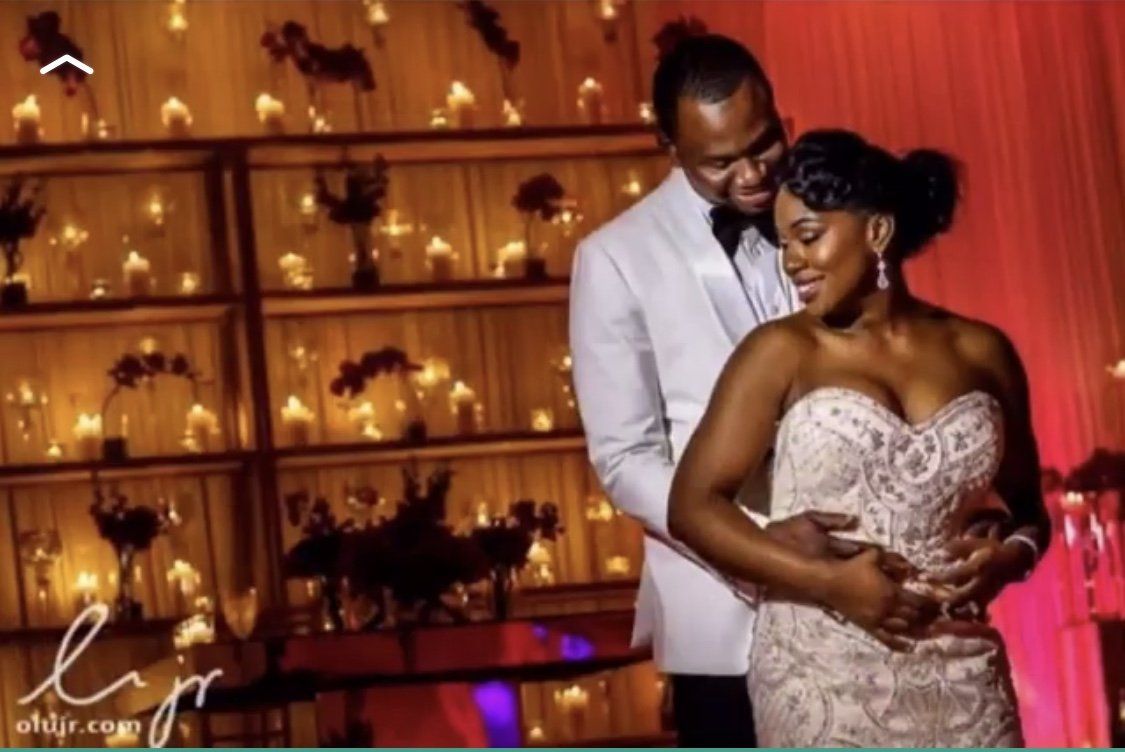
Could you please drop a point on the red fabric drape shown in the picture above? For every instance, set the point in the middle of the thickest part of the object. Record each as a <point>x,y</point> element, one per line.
<point>1031,97</point>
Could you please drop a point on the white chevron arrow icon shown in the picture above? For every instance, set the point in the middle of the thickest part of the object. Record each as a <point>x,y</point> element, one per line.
<point>65,59</point>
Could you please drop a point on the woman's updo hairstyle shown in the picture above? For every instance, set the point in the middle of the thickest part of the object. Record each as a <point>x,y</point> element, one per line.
<point>837,170</point>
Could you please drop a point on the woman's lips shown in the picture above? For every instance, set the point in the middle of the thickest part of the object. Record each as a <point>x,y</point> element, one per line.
<point>809,289</point>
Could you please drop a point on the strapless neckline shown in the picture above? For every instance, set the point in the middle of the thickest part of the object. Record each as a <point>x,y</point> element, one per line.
<point>887,412</point>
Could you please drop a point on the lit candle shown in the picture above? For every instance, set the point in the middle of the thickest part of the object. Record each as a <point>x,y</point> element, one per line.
<point>590,102</point>
<point>568,216</point>
<point>462,403</point>
<point>483,517</point>
<point>434,371</point>
<point>646,113</point>
<point>85,589</point>
<point>535,734</point>
<point>618,565</point>
<point>598,509</point>
<point>70,237</point>
<point>156,210</point>
<point>296,271</point>
<point>270,113</point>
<point>376,13</point>
<point>298,419</point>
<point>461,103</point>
<point>177,21</point>
<point>513,118</point>
<point>138,274</point>
<point>88,434</point>
<point>542,419</point>
<point>439,118</point>
<point>633,187</point>
<point>123,738</point>
<point>512,260</point>
<point>54,450</point>
<point>1117,370</point>
<point>195,630</point>
<point>25,119</point>
<point>439,259</point>
<point>99,289</point>
<point>176,117</point>
<point>364,418</point>
<point>184,576</point>
<point>572,698</point>
<point>392,229</point>
<point>306,205</point>
<point>189,283</point>
<point>202,425</point>
<point>318,121</point>
<point>95,129</point>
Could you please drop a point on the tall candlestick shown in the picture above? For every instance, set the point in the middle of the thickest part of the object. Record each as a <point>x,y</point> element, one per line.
<point>462,403</point>
<point>298,419</point>
<point>138,274</point>
<point>25,119</point>
<point>270,113</point>
<point>176,117</point>
<point>590,101</point>
<point>439,259</point>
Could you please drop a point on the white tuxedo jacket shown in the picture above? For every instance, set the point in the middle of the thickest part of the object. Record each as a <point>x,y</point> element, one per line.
<point>656,310</point>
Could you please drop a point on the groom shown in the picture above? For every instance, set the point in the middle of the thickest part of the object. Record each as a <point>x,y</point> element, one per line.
<point>660,296</point>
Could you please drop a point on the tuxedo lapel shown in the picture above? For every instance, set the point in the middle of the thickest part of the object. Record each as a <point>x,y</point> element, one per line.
<point>692,240</point>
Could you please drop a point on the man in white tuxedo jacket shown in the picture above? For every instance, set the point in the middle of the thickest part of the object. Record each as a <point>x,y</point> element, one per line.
<point>660,296</point>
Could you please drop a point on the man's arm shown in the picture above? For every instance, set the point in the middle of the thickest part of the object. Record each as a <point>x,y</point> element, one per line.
<point>618,390</point>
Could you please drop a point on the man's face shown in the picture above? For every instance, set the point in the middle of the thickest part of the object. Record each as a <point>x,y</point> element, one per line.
<point>730,150</point>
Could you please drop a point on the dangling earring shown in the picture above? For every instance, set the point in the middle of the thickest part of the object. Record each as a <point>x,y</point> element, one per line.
<point>882,282</point>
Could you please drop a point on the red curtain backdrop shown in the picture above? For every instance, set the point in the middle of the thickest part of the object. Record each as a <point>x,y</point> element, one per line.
<point>1031,97</point>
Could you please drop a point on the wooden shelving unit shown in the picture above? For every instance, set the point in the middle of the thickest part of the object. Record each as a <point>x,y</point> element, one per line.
<point>239,303</point>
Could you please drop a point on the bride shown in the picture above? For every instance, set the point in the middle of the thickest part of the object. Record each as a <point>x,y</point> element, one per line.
<point>910,419</point>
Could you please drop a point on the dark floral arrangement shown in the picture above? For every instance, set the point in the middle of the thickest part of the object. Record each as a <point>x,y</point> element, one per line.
<point>539,195</point>
<point>125,526</point>
<point>317,62</point>
<point>1104,470</point>
<point>354,375</point>
<point>486,20</point>
<point>364,190</point>
<point>317,554</point>
<point>20,213</point>
<point>414,556</point>
<point>131,371</point>
<point>358,206</point>
<point>507,540</point>
<point>45,43</point>
<point>674,32</point>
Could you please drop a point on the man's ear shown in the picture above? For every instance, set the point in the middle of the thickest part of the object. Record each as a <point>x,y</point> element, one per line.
<point>880,230</point>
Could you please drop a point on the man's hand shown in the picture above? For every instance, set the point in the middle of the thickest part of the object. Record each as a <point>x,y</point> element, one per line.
<point>808,532</point>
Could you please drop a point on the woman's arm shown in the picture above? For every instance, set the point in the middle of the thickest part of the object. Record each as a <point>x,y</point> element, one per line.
<point>991,563</point>
<point>730,442</point>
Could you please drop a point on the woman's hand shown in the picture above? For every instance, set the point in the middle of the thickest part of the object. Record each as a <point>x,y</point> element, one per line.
<point>986,565</point>
<point>861,591</point>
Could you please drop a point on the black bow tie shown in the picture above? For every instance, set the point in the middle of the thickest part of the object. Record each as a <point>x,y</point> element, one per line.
<point>728,225</point>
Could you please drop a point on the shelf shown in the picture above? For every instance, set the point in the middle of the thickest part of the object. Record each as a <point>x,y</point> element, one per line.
<point>170,465</point>
<point>68,314</point>
<point>441,447</point>
<point>111,631</point>
<point>474,293</point>
<point>306,150</point>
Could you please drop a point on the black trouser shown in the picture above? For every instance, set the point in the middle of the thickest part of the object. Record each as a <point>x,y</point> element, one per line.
<point>712,711</point>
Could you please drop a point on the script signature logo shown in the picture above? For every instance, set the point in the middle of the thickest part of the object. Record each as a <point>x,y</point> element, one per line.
<point>161,726</point>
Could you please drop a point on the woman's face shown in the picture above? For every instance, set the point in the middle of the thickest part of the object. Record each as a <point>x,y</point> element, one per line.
<point>827,254</point>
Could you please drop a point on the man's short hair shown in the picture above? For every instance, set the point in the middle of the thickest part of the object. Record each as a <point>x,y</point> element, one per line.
<point>707,67</point>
